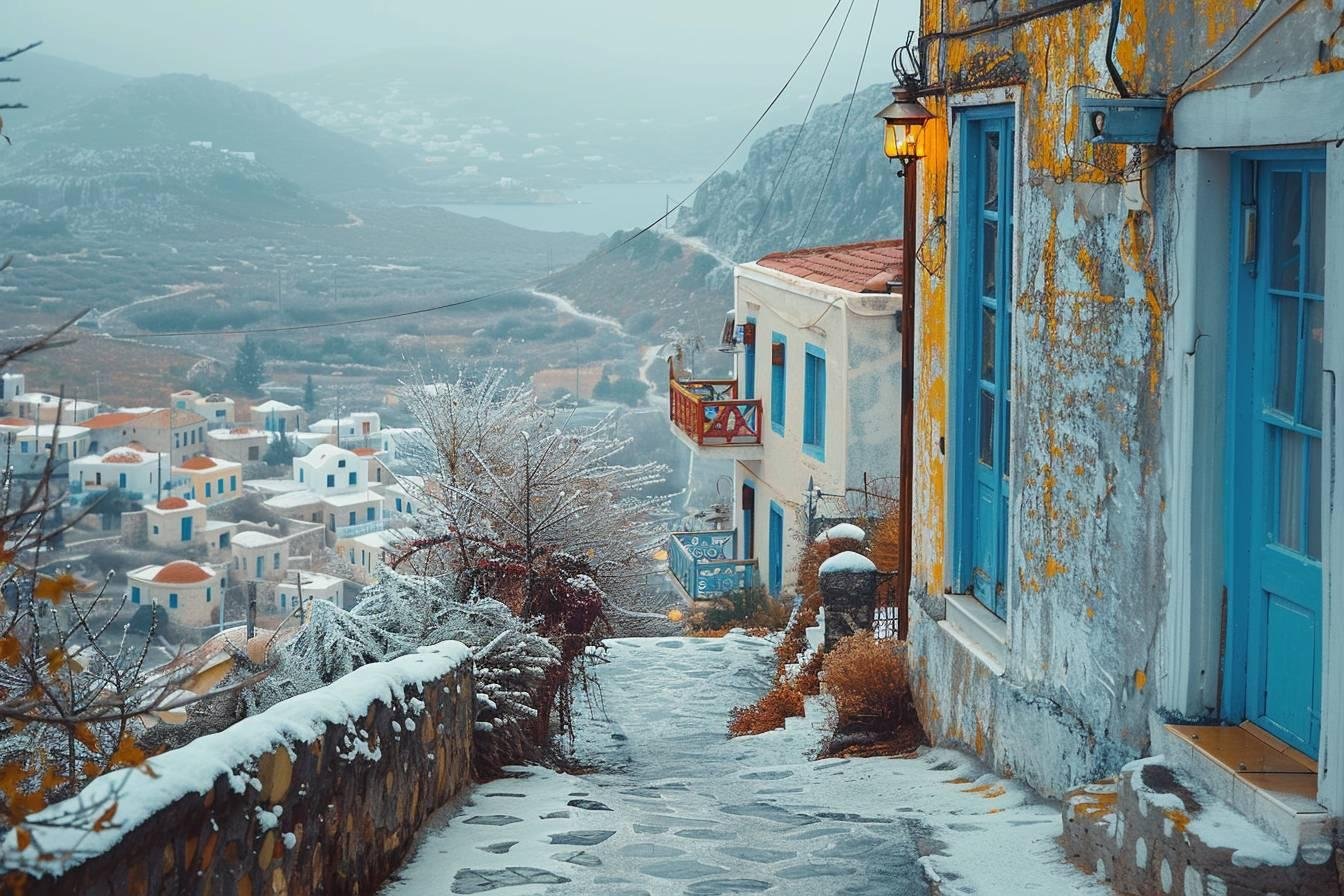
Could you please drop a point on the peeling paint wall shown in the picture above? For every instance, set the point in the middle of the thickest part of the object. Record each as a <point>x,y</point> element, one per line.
<point>1093,273</point>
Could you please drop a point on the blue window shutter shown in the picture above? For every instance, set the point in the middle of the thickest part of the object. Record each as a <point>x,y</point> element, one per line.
<point>172,601</point>
<point>749,365</point>
<point>354,478</point>
<point>135,594</point>
<point>121,480</point>
<point>814,402</point>
<point>369,514</point>
<point>778,369</point>
<point>331,480</point>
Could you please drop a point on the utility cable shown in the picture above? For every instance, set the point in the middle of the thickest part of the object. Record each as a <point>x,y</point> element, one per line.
<point>798,137</point>
<point>835,152</point>
<point>393,315</point>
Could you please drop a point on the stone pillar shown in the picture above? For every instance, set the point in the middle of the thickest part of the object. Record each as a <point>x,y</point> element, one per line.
<point>849,594</point>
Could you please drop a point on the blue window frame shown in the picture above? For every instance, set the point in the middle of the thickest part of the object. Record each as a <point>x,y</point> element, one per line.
<point>778,381</point>
<point>370,514</point>
<point>219,487</point>
<point>749,366</point>
<point>172,601</point>
<point>261,566</point>
<point>282,600</point>
<point>186,528</point>
<point>331,480</point>
<point>208,594</point>
<point>1274,477</point>
<point>207,489</point>
<point>354,478</point>
<point>121,480</point>
<point>300,474</point>
<point>353,517</point>
<point>983,333</point>
<point>814,401</point>
<point>775,580</point>
<point>135,594</point>
<point>233,483</point>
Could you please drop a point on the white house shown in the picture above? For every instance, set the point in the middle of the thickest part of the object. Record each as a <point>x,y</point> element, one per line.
<point>243,444</point>
<point>33,443</point>
<point>814,399</point>
<point>174,521</point>
<point>259,556</point>
<point>364,552</point>
<point>360,429</point>
<point>328,470</point>
<point>311,586</point>
<point>334,490</point>
<point>218,410</point>
<point>192,593</point>
<point>276,416</point>
<point>132,471</point>
<point>12,385</point>
<point>44,408</point>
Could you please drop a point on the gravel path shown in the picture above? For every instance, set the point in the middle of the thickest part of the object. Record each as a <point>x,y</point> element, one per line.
<point>678,808</point>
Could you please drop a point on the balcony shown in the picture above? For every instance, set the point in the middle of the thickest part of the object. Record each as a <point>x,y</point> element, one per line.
<point>360,529</point>
<point>708,414</point>
<point>704,563</point>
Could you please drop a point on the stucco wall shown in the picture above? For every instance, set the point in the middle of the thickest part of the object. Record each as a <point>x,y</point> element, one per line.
<point>1094,272</point>
<point>322,793</point>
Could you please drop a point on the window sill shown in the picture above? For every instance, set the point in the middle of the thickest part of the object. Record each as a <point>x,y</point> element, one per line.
<point>777,428</point>
<point>816,452</point>
<point>979,631</point>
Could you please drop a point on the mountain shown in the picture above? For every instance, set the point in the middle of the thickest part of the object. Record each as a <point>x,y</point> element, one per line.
<point>50,86</point>
<point>175,111</point>
<point>735,215</point>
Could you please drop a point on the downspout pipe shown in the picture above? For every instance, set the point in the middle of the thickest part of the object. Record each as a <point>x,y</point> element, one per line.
<point>1116,78</point>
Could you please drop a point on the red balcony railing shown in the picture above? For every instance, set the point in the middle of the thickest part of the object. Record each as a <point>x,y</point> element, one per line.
<point>710,412</point>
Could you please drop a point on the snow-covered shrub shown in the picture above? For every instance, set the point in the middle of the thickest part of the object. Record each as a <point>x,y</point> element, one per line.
<point>870,683</point>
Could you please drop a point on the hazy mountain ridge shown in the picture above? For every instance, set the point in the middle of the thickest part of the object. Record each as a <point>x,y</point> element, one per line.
<point>862,200</point>
<point>177,110</point>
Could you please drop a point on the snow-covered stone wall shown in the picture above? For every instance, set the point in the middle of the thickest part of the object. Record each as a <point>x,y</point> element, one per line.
<point>322,793</point>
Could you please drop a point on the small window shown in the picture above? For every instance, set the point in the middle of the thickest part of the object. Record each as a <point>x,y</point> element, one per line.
<point>814,402</point>
<point>135,594</point>
<point>777,383</point>
<point>207,594</point>
<point>282,600</point>
<point>352,555</point>
<point>341,464</point>
<point>300,474</point>
<point>23,449</point>
<point>354,478</point>
<point>156,530</point>
<point>331,480</point>
<point>353,517</point>
<point>275,560</point>
<point>398,505</point>
<point>219,487</point>
<point>369,514</point>
<point>207,489</point>
<point>233,483</point>
<point>172,601</point>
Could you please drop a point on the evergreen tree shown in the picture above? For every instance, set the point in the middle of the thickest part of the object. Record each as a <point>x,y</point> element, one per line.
<point>249,369</point>
<point>309,394</point>
<point>280,453</point>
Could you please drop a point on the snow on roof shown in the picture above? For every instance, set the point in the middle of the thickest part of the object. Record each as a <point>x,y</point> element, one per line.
<point>324,451</point>
<point>196,767</point>
<point>287,500</point>
<point>385,538</point>
<point>251,539</point>
<point>360,497</point>
<point>45,431</point>
<point>317,580</point>
<point>848,561</point>
<point>840,532</point>
<point>238,432</point>
<point>270,405</point>
<point>275,486</point>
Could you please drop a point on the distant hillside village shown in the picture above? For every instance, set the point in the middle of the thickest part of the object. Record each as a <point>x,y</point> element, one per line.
<point>223,512</point>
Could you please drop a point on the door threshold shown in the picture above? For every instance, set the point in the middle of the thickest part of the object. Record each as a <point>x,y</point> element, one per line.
<point>1257,774</point>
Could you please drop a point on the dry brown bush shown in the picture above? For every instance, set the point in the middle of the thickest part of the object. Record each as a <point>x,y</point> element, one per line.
<point>808,679</point>
<point>781,702</point>
<point>869,682</point>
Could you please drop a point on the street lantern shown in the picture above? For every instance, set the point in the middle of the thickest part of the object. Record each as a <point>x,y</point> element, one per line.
<point>905,119</point>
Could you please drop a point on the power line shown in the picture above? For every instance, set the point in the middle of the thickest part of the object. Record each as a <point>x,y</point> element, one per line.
<point>835,153</point>
<point>373,318</point>
<point>797,138</point>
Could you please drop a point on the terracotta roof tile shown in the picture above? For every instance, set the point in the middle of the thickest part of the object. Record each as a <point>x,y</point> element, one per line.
<point>17,421</point>
<point>109,420</point>
<point>172,503</point>
<point>857,267</point>
<point>182,572</point>
<point>123,456</point>
<point>199,462</point>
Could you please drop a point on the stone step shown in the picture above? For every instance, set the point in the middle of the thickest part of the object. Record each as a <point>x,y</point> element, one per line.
<point>1154,829</point>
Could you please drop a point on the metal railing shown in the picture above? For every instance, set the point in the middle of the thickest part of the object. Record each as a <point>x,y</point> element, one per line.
<point>710,412</point>
<point>705,565</point>
<point>360,529</point>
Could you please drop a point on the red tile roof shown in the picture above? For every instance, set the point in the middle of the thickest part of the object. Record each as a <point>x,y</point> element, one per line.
<point>16,421</point>
<point>172,502</point>
<point>199,462</point>
<point>858,267</point>
<point>109,420</point>
<point>181,572</point>
<point>160,418</point>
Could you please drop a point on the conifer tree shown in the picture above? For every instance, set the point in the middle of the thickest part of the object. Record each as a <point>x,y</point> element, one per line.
<point>248,367</point>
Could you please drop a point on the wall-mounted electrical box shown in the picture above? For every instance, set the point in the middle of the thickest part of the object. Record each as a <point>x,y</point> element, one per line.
<point>1136,121</point>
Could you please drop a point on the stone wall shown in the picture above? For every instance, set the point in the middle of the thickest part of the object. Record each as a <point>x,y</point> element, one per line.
<point>322,793</point>
<point>135,528</point>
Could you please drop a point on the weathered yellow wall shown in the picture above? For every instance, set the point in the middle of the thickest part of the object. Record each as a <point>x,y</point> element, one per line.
<point>1094,266</point>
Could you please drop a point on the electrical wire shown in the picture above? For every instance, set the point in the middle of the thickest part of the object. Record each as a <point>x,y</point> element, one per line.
<point>798,137</point>
<point>825,181</point>
<point>393,315</point>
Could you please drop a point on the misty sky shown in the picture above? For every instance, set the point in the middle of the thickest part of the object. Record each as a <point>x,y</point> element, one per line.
<point>242,39</point>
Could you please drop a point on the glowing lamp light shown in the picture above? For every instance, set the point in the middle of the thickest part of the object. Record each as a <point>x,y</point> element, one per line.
<point>675,615</point>
<point>905,119</point>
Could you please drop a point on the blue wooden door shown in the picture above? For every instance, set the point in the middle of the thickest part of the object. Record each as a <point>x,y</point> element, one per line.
<point>186,528</point>
<point>776,573</point>
<point>1275,483</point>
<point>748,522</point>
<point>983,354</point>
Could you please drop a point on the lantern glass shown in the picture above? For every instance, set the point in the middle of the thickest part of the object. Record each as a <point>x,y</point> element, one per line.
<point>904,141</point>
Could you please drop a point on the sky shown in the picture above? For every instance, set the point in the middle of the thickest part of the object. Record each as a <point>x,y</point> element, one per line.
<point>247,39</point>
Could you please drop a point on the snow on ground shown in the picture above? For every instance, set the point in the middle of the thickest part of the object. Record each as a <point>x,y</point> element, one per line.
<point>678,808</point>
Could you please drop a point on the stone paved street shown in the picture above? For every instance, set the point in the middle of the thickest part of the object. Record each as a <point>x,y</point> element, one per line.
<point>678,808</point>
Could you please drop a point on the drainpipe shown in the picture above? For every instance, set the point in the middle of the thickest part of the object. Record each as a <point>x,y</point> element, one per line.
<point>907,461</point>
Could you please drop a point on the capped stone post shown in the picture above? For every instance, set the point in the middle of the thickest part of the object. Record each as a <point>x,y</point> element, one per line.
<point>849,595</point>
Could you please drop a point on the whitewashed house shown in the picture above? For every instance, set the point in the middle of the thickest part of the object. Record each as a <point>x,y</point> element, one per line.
<point>41,407</point>
<point>359,430</point>
<point>33,444</point>
<point>814,398</point>
<point>276,416</point>
<point>136,473</point>
<point>259,556</point>
<point>333,489</point>
<point>191,593</point>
